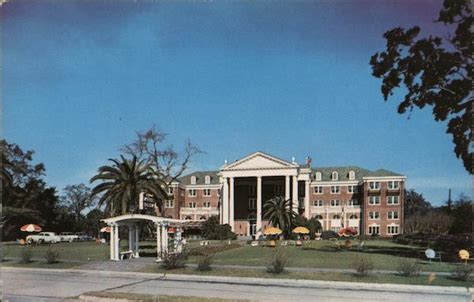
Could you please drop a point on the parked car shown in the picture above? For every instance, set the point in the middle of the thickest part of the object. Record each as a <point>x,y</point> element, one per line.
<point>43,237</point>
<point>68,237</point>
<point>84,237</point>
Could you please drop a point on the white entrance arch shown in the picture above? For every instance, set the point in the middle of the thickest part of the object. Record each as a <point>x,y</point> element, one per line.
<point>131,221</point>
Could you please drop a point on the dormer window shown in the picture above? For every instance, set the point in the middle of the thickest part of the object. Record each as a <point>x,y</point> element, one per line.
<point>207,179</point>
<point>193,180</point>
<point>318,176</point>
<point>352,175</point>
<point>335,175</point>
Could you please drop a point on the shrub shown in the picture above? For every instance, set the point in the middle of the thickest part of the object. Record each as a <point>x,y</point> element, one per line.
<point>363,265</point>
<point>461,272</point>
<point>26,255</point>
<point>328,235</point>
<point>173,260</point>
<point>212,230</point>
<point>408,267</point>
<point>204,263</point>
<point>51,255</point>
<point>277,262</point>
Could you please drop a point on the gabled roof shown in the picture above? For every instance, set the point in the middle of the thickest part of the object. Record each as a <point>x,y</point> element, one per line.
<point>326,172</point>
<point>200,177</point>
<point>259,160</point>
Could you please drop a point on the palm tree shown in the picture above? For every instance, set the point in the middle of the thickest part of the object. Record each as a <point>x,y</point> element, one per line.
<point>279,213</point>
<point>123,182</point>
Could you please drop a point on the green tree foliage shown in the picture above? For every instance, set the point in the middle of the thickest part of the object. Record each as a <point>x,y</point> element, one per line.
<point>25,196</point>
<point>279,213</point>
<point>415,203</point>
<point>77,198</point>
<point>122,183</point>
<point>436,72</point>
<point>212,230</point>
<point>462,215</point>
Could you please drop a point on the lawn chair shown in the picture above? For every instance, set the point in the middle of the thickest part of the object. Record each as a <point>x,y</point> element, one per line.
<point>361,245</point>
<point>272,243</point>
<point>254,243</point>
<point>299,243</point>
<point>284,243</point>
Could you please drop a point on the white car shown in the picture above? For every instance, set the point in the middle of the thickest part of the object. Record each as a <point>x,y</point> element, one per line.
<point>68,237</point>
<point>43,237</point>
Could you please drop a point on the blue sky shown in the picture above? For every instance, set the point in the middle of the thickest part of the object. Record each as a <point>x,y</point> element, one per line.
<point>290,79</point>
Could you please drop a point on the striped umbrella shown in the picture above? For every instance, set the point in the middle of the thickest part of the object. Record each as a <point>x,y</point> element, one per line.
<point>30,228</point>
<point>106,229</point>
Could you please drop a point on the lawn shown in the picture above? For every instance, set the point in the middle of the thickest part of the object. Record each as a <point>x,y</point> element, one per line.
<point>324,254</point>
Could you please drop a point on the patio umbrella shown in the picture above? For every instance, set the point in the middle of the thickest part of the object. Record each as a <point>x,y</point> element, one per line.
<point>300,230</point>
<point>106,229</point>
<point>272,231</point>
<point>30,228</point>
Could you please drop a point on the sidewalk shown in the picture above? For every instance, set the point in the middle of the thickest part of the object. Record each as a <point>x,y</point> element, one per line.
<point>459,292</point>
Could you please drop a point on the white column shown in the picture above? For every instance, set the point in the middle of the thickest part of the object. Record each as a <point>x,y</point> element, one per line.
<point>130,237</point>
<point>231,203</point>
<point>295,194</point>
<point>136,244</point>
<point>164,238</point>
<point>116,243</point>
<point>225,203</point>
<point>112,244</point>
<point>259,207</point>
<point>158,242</point>
<point>287,187</point>
<point>179,239</point>
<point>306,199</point>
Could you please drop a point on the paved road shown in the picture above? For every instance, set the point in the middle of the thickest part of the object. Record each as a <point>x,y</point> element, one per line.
<point>58,285</point>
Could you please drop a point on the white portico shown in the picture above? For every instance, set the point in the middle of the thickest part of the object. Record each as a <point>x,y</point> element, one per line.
<point>265,176</point>
<point>131,221</point>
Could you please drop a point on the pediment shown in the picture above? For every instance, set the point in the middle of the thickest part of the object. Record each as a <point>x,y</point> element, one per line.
<point>259,160</point>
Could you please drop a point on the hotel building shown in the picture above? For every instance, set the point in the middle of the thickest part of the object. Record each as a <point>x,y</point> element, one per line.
<point>369,201</point>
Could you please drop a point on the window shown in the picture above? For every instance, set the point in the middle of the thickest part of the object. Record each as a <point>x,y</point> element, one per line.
<point>335,203</point>
<point>317,203</point>
<point>252,190</point>
<point>319,217</point>
<point>374,215</point>
<point>374,185</point>
<point>336,216</point>
<point>352,175</point>
<point>353,216</point>
<point>351,202</point>
<point>206,204</point>
<point>374,230</point>
<point>192,193</point>
<point>202,218</point>
<point>188,218</point>
<point>392,215</point>
<point>318,190</point>
<point>193,180</point>
<point>219,192</point>
<point>318,176</point>
<point>207,179</point>
<point>391,200</point>
<point>352,189</point>
<point>334,189</point>
<point>206,192</point>
<point>252,203</point>
<point>374,200</point>
<point>169,203</point>
<point>335,175</point>
<point>277,190</point>
<point>301,203</point>
<point>192,205</point>
<point>393,185</point>
<point>392,229</point>
<point>170,190</point>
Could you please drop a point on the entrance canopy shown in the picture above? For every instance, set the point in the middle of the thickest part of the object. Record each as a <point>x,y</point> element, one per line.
<point>131,221</point>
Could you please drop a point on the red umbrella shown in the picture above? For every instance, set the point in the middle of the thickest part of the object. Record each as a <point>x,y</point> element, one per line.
<point>30,228</point>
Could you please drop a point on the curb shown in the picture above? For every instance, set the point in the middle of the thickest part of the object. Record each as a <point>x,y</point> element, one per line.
<point>301,283</point>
